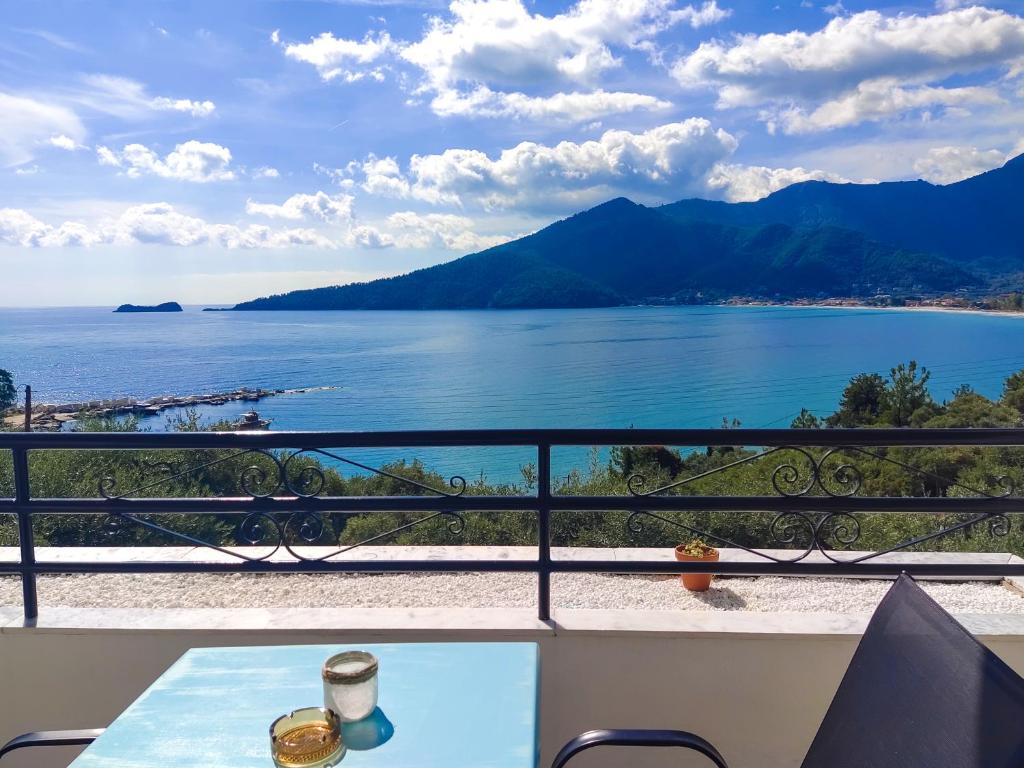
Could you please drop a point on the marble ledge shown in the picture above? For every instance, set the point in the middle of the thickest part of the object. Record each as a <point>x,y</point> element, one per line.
<point>466,624</point>
<point>470,624</point>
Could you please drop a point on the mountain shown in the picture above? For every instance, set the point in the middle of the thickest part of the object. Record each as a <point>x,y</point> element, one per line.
<point>974,222</point>
<point>807,240</point>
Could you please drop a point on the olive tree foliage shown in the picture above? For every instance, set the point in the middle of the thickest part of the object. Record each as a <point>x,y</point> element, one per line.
<point>8,394</point>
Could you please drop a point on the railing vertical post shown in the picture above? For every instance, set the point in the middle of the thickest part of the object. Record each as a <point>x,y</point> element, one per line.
<point>544,531</point>
<point>25,538</point>
<point>28,408</point>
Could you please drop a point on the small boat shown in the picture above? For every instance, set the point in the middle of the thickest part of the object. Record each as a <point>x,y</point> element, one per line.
<point>251,420</point>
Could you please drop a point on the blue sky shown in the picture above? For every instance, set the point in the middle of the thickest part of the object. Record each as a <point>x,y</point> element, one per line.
<point>212,152</point>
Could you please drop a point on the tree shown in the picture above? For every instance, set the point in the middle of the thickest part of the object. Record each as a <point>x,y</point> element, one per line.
<point>907,392</point>
<point>1013,391</point>
<point>862,402</point>
<point>806,420</point>
<point>8,394</point>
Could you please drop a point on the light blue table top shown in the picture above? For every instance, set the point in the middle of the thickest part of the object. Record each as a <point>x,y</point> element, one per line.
<point>452,705</point>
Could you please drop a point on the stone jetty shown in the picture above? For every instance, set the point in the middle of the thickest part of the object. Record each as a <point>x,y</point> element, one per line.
<point>49,417</point>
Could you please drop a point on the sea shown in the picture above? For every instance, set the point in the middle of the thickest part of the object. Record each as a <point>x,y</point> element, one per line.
<point>618,367</point>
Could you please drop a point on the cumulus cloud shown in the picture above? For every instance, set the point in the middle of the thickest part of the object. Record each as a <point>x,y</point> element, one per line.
<point>194,161</point>
<point>575,106</point>
<point>862,66</point>
<point>28,124</point>
<point>746,183</point>
<point>405,229</point>
<point>152,224</point>
<point>319,206</point>
<point>334,57</point>
<point>18,227</point>
<point>707,14</point>
<point>502,44</point>
<point>946,165</point>
<point>194,108</point>
<point>65,142</point>
<point>439,230</point>
<point>687,158</point>
<point>875,100</point>
<point>266,172</point>
<point>162,224</point>
<point>494,58</point>
<point>482,57</point>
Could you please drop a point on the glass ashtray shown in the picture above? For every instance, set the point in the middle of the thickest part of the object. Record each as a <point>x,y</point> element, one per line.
<point>307,738</point>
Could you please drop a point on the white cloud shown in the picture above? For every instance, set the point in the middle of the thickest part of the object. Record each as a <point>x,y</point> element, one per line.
<point>494,58</point>
<point>27,170</point>
<point>28,123</point>
<point>18,227</point>
<point>864,57</point>
<point>500,43</point>
<point>575,106</point>
<point>194,161</point>
<point>319,206</point>
<point>707,14</point>
<point>875,100</point>
<point>194,108</point>
<point>266,172</point>
<point>65,142</point>
<point>482,58</point>
<point>129,99</point>
<point>745,183</point>
<point>151,224</point>
<point>162,224</point>
<point>669,162</point>
<point>336,57</point>
<point>439,230</point>
<point>946,165</point>
<point>369,237</point>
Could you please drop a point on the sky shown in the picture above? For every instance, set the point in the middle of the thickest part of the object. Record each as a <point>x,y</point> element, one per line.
<point>212,152</point>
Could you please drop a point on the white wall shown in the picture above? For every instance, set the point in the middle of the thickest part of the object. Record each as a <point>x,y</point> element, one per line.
<point>756,685</point>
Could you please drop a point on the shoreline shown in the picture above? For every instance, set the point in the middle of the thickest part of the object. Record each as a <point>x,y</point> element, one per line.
<point>735,302</point>
<point>915,308</point>
<point>50,417</point>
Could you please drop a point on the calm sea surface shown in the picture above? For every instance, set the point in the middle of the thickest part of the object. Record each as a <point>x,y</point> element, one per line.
<point>643,367</point>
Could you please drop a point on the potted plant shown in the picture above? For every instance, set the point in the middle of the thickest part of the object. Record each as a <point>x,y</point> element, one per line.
<point>696,550</point>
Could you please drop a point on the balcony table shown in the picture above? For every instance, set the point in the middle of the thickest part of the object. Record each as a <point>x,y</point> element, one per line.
<point>452,705</point>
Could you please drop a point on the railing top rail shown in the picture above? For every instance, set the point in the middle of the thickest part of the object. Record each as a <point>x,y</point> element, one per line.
<point>518,437</point>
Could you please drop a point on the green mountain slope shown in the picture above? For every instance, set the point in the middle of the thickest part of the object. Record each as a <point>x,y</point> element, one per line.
<point>621,252</point>
<point>975,221</point>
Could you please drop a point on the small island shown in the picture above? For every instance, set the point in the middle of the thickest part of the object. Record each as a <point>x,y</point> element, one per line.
<point>167,306</point>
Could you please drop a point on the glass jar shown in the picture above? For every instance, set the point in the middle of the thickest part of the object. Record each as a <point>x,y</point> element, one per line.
<point>350,684</point>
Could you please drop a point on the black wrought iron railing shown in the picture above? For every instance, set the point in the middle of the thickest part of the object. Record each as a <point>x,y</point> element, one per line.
<point>818,487</point>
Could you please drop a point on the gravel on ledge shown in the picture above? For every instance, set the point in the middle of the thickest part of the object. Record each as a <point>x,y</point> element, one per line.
<point>494,590</point>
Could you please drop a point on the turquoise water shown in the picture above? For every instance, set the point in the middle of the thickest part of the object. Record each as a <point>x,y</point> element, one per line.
<point>619,367</point>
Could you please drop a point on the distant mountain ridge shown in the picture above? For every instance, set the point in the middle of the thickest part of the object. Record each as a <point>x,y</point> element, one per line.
<point>809,239</point>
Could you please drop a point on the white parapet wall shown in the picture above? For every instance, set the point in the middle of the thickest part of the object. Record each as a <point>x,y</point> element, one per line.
<point>755,684</point>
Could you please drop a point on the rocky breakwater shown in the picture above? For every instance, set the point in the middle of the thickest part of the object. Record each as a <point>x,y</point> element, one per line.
<point>50,417</point>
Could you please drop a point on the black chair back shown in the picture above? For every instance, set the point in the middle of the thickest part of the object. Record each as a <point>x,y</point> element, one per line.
<point>921,692</point>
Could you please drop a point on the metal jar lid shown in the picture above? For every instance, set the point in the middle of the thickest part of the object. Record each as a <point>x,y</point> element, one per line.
<point>331,675</point>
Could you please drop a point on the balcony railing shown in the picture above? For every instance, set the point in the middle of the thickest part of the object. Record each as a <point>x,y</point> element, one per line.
<point>813,489</point>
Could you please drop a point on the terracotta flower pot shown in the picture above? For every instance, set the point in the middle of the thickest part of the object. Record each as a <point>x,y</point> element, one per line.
<point>696,582</point>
